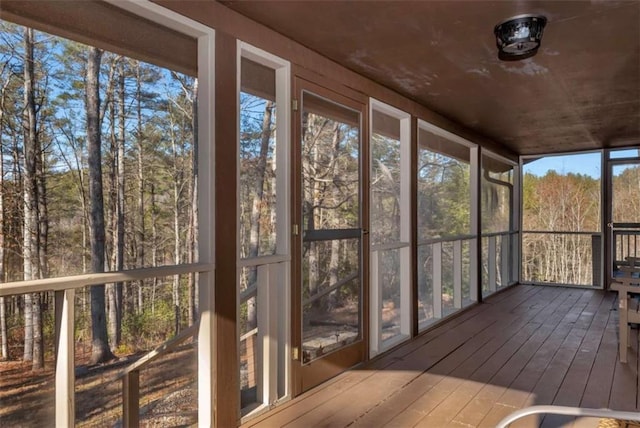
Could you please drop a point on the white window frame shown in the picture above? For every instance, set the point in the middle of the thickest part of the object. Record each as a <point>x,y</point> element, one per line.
<point>474,176</point>
<point>515,222</point>
<point>376,344</point>
<point>274,284</point>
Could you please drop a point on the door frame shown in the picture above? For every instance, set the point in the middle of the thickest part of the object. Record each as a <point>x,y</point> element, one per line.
<point>303,377</point>
<point>607,223</point>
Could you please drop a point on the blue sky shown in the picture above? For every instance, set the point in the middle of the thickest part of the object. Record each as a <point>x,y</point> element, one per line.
<point>585,163</point>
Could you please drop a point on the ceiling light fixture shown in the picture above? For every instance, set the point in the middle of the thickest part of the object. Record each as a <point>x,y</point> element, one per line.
<point>519,37</point>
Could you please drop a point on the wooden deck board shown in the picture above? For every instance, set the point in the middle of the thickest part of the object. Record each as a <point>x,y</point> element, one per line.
<point>525,346</point>
<point>493,390</point>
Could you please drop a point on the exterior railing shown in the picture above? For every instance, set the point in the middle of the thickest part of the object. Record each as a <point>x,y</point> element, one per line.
<point>386,258</point>
<point>260,350</point>
<point>131,376</point>
<point>64,289</point>
<point>446,269</point>
<point>562,258</point>
<point>626,243</point>
<point>499,264</point>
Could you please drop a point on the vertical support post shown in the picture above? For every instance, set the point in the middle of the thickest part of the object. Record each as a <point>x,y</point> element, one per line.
<point>262,306</point>
<point>131,399</point>
<point>376,305</point>
<point>516,258</point>
<point>267,334</point>
<point>436,250</point>
<point>65,363</point>
<point>505,250</point>
<point>405,293</point>
<point>515,248</point>
<point>492,256</point>
<point>457,274</point>
<point>413,228</point>
<point>227,377</point>
<point>206,219</point>
<point>404,254</point>
<point>283,310</point>
<point>476,225</point>
<point>271,345</point>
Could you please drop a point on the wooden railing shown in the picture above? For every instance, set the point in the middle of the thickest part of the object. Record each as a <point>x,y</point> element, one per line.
<point>626,243</point>
<point>454,264</point>
<point>64,288</point>
<point>131,376</point>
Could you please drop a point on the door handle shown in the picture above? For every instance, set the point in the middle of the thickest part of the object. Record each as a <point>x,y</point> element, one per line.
<point>610,225</point>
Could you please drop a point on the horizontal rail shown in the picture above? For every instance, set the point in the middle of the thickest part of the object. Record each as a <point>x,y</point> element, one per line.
<point>131,376</point>
<point>78,281</point>
<point>331,288</point>
<point>569,411</point>
<point>389,246</point>
<point>446,239</point>
<point>504,233</point>
<point>263,260</point>
<point>618,226</point>
<point>465,237</point>
<point>248,293</point>
<point>167,346</point>
<point>331,234</point>
<point>249,334</point>
<point>553,232</point>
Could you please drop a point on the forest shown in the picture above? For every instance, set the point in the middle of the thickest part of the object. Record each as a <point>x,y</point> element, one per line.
<point>569,206</point>
<point>97,167</point>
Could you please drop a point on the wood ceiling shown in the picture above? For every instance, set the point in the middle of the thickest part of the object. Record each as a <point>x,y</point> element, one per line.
<point>580,92</point>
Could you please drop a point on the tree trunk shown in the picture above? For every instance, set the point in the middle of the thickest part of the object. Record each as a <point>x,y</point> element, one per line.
<point>100,351</point>
<point>31,252</point>
<point>256,206</point>
<point>3,330</point>
<point>115,290</point>
<point>176,244</point>
<point>141,227</point>
<point>3,316</point>
<point>154,247</point>
<point>178,178</point>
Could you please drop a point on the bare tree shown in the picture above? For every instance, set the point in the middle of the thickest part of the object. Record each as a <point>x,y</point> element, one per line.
<point>33,349</point>
<point>3,316</point>
<point>100,351</point>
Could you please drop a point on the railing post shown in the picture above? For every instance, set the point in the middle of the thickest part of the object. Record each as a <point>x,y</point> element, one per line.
<point>457,274</point>
<point>376,305</point>
<point>474,262</point>
<point>65,364</point>
<point>505,251</point>
<point>492,256</point>
<point>131,399</point>
<point>436,252</point>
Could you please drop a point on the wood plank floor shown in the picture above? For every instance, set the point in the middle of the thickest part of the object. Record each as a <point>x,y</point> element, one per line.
<point>522,347</point>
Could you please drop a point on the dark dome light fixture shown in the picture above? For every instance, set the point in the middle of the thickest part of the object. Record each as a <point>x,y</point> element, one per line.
<point>519,37</point>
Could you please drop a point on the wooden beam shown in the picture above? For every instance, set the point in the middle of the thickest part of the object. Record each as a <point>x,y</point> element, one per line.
<point>413,195</point>
<point>226,400</point>
<point>131,399</point>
